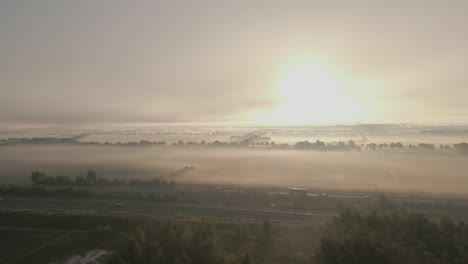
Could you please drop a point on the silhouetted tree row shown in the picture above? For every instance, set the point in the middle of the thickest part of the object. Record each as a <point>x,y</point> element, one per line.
<point>398,238</point>
<point>74,140</point>
<point>184,243</point>
<point>402,238</point>
<point>320,145</point>
<point>181,171</point>
<point>463,147</point>
<point>250,138</point>
<point>257,143</point>
<point>40,178</point>
<point>398,145</point>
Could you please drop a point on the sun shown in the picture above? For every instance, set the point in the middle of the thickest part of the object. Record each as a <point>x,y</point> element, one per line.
<point>311,92</point>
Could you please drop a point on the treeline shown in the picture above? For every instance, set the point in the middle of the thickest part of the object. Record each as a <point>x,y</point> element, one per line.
<point>351,238</point>
<point>403,238</point>
<point>188,243</point>
<point>258,142</point>
<point>351,145</point>
<point>73,140</point>
<point>40,178</point>
<point>163,241</point>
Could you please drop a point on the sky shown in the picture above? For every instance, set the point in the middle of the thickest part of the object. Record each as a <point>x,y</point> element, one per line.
<point>214,61</point>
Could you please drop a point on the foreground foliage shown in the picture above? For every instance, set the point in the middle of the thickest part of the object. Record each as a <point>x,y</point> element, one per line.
<point>349,239</point>
<point>352,238</point>
<point>184,243</point>
<point>398,238</point>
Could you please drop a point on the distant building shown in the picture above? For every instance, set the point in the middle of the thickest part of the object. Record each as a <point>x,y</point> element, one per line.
<point>297,191</point>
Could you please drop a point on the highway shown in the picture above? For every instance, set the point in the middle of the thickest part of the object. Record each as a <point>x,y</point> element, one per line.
<point>200,210</point>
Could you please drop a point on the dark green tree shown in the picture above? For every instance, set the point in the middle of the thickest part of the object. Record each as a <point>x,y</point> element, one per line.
<point>133,250</point>
<point>183,259</point>
<point>91,176</point>
<point>37,177</point>
<point>267,234</point>
<point>247,259</point>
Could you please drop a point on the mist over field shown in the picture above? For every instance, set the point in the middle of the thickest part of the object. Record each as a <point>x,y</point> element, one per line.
<point>364,171</point>
<point>234,132</point>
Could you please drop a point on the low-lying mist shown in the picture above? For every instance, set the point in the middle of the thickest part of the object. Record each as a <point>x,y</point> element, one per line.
<point>387,171</point>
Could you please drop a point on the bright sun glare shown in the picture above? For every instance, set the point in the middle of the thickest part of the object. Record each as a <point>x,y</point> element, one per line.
<point>312,93</point>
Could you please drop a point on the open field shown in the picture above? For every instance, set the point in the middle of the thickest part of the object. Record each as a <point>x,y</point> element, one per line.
<point>362,171</point>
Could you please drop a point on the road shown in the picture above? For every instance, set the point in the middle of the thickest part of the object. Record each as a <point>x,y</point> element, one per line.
<point>167,208</point>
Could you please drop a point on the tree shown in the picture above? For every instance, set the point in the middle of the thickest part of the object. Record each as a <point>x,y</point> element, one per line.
<point>204,246</point>
<point>372,146</point>
<point>247,259</point>
<point>37,177</point>
<point>426,146</point>
<point>104,229</point>
<point>404,238</point>
<point>153,252</point>
<point>134,250</point>
<point>267,236</point>
<point>81,181</point>
<point>241,236</point>
<point>463,147</point>
<point>91,176</point>
<point>396,145</point>
<point>140,235</point>
<point>116,259</point>
<point>183,259</point>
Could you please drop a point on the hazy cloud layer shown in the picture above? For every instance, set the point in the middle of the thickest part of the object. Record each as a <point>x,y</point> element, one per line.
<point>208,61</point>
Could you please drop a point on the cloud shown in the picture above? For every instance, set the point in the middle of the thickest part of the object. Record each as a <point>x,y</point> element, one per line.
<point>88,62</point>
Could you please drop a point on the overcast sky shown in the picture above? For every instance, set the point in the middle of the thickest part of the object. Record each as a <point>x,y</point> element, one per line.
<point>109,61</point>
